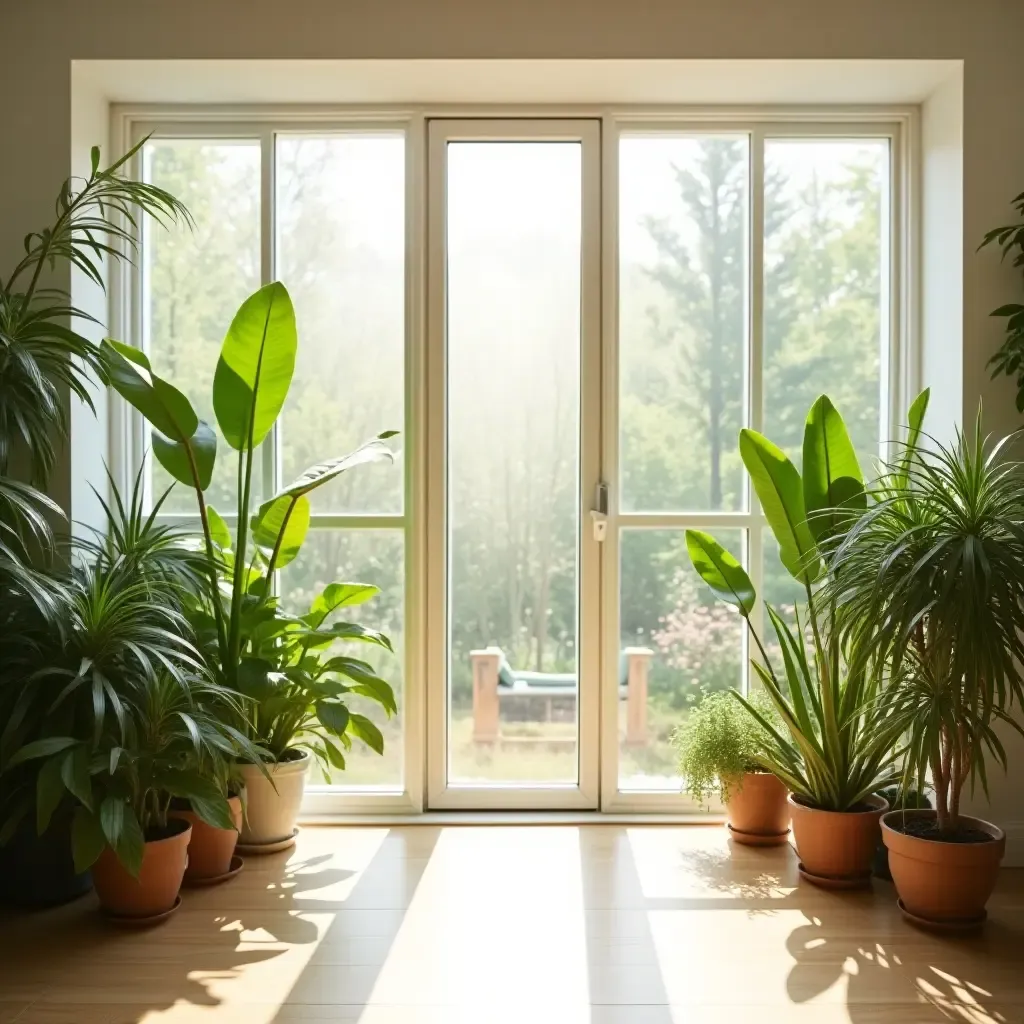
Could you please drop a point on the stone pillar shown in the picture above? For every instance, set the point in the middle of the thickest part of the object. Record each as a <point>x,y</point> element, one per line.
<point>638,661</point>
<point>486,710</point>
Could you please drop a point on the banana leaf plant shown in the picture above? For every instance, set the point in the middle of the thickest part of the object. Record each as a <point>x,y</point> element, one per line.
<point>834,748</point>
<point>253,645</point>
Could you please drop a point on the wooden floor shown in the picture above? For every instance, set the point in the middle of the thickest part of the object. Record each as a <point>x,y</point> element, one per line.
<point>493,925</point>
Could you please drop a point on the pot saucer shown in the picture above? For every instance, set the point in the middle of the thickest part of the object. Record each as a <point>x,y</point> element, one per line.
<point>129,921</point>
<point>258,849</point>
<point>838,884</point>
<point>198,883</point>
<point>971,924</point>
<point>758,838</point>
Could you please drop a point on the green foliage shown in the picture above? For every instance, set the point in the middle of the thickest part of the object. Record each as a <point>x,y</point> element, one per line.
<point>1009,360</point>
<point>249,641</point>
<point>106,703</point>
<point>930,580</point>
<point>719,742</point>
<point>42,356</point>
<point>829,746</point>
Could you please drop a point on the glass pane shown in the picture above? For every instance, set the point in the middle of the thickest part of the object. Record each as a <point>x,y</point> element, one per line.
<point>682,321</point>
<point>826,260</point>
<point>360,556</point>
<point>513,433</point>
<point>341,253</point>
<point>193,281</point>
<point>677,643</point>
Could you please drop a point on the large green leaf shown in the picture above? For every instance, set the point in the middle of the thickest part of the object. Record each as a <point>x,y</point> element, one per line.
<point>364,729</point>
<point>333,715</point>
<point>780,491</point>
<point>338,595</point>
<point>720,571</point>
<point>49,791</point>
<point>87,839</point>
<point>123,833</point>
<point>178,457</point>
<point>283,519</point>
<point>255,367</point>
<point>219,532</point>
<point>915,419</point>
<point>372,451</point>
<point>41,748</point>
<point>832,478</point>
<point>180,439</point>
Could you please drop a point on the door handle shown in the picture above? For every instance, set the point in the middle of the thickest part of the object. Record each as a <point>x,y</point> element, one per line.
<point>599,513</point>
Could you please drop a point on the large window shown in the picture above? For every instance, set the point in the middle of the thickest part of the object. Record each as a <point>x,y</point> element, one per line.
<point>569,322</point>
<point>335,233</point>
<point>706,347</point>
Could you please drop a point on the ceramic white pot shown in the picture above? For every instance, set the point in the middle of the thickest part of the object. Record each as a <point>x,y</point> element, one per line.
<point>271,809</point>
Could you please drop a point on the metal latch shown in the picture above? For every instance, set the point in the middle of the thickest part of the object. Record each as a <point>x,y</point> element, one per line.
<point>599,513</point>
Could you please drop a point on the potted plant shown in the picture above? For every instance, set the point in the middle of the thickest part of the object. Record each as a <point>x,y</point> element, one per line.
<point>833,751</point>
<point>937,566</point>
<point>123,783</point>
<point>211,848</point>
<point>112,612</point>
<point>898,800</point>
<point>250,643</point>
<point>719,745</point>
<point>43,355</point>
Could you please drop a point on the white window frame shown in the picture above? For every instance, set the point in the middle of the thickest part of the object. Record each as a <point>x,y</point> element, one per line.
<point>424,561</point>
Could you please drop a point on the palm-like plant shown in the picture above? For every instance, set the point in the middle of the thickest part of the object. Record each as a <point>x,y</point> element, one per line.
<point>930,581</point>
<point>43,356</point>
<point>832,750</point>
<point>77,675</point>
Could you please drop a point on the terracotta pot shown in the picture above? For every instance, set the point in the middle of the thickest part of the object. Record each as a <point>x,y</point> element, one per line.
<point>271,809</point>
<point>156,888</point>
<point>838,845</point>
<point>947,883</point>
<point>210,849</point>
<point>757,806</point>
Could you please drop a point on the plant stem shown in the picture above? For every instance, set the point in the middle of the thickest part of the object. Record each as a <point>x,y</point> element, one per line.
<point>218,613</point>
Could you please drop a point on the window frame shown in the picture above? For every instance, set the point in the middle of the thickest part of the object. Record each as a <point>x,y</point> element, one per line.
<point>900,124</point>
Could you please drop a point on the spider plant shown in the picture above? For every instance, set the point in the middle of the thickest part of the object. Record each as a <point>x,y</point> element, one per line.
<point>43,356</point>
<point>930,580</point>
<point>168,732</point>
<point>77,674</point>
<point>832,749</point>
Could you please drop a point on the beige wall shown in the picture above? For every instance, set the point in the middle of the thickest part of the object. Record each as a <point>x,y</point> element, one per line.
<point>42,37</point>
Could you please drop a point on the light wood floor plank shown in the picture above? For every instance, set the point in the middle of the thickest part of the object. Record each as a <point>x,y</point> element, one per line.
<point>495,925</point>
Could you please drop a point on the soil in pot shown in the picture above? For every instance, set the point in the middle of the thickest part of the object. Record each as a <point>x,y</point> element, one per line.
<point>210,849</point>
<point>272,807</point>
<point>837,845</point>
<point>757,808</point>
<point>156,888</point>
<point>946,880</point>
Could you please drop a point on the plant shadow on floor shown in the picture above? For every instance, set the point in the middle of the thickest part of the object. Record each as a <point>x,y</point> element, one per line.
<point>860,940</point>
<point>280,908</point>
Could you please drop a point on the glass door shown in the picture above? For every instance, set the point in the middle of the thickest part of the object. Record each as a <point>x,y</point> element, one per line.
<point>513,446</point>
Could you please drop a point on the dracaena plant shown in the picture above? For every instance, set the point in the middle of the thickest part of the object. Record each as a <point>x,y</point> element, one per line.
<point>170,740</point>
<point>833,748</point>
<point>936,568</point>
<point>110,707</point>
<point>43,355</point>
<point>252,645</point>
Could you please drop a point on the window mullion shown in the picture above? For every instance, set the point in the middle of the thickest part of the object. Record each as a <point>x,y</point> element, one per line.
<point>755,365</point>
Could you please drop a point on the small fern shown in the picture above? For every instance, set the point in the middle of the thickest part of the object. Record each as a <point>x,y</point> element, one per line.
<point>719,742</point>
